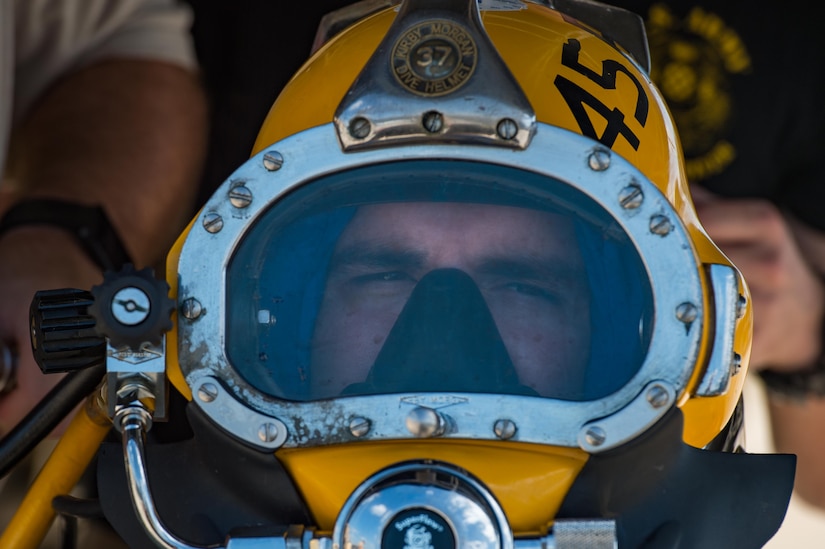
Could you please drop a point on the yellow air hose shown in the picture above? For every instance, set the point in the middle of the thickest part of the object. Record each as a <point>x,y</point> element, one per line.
<point>68,461</point>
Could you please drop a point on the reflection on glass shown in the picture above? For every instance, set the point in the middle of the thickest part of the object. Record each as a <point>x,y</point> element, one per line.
<point>524,271</point>
<point>422,277</point>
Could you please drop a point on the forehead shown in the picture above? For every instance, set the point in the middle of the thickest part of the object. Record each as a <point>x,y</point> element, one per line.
<point>431,223</point>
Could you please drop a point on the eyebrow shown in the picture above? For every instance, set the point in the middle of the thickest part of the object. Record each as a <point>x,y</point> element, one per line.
<point>531,268</point>
<point>376,255</point>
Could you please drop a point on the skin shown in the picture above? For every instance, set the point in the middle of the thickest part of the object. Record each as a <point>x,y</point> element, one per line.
<point>530,276</point>
<point>125,134</point>
<point>783,262</point>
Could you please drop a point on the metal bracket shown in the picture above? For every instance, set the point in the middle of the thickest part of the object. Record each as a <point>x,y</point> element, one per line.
<point>436,76</point>
<point>147,367</point>
<point>723,363</point>
<point>646,409</point>
<point>252,427</point>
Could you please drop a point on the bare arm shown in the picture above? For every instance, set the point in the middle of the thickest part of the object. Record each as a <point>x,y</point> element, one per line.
<point>782,261</point>
<point>797,429</point>
<point>126,134</point>
<point>797,426</point>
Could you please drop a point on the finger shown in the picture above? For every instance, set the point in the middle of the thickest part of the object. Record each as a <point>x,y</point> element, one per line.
<point>743,221</point>
<point>32,386</point>
<point>701,195</point>
<point>760,265</point>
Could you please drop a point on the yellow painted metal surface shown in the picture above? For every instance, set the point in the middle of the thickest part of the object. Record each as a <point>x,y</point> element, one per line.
<point>173,370</point>
<point>62,471</point>
<point>528,480</point>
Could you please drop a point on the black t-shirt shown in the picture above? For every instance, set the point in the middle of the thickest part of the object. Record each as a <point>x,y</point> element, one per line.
<point>745,85</point>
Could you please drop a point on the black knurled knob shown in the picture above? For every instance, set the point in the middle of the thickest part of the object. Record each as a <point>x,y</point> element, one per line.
<point>63,335</point>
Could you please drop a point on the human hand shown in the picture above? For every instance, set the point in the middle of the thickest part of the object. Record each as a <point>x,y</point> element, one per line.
<point>34,258</point>
<point>787,295</point>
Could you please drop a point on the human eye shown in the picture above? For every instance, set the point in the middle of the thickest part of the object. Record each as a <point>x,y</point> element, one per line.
<point>366,266</point>
<point>380,284</point>
<point>382,277</point>
<point>532,290</point>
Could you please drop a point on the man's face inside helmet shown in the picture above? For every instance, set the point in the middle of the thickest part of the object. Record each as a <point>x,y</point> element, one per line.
<point>525,263</point>
<point>419,277</point>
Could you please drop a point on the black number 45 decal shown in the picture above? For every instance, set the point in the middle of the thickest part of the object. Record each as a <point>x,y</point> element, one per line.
<point>576,97</point>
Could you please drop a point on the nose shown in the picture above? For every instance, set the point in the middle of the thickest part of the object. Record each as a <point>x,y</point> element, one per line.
<point>445,339</point>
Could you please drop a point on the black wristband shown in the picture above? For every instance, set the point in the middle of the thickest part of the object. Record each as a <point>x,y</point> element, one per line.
<point>798,385</point>
<point>88,224</point>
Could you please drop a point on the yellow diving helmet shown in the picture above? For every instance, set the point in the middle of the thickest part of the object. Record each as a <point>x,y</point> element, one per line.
<point>457,297</point>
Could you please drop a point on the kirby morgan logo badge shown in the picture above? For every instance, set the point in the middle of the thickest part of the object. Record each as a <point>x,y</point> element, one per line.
<point>418,529</point>
<point>434,58</point>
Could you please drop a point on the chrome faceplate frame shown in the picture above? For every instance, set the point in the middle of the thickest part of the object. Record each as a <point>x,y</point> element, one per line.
<point>636,204</point>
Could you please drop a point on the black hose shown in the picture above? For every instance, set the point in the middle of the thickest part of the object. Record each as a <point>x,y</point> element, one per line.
<point>68,533</point>
<point>48,413</point>
<point>85,508</point>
